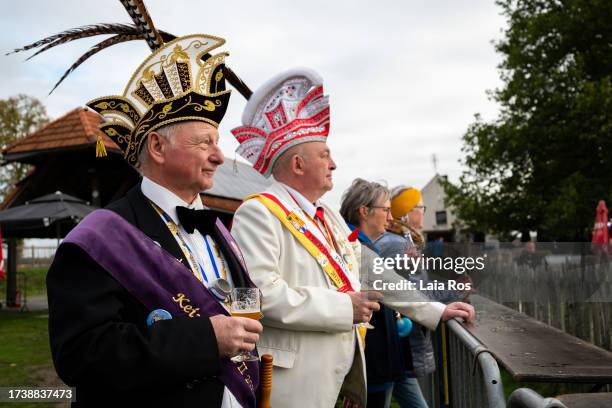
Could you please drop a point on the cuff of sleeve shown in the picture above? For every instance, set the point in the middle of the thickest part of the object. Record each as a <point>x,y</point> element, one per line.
<point>427,314</point>
<point>433,318</point>
<point>344,312</point>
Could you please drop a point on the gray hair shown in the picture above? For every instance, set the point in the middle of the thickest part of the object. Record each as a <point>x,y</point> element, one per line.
<point>167,132</point>
<point>361,193</point>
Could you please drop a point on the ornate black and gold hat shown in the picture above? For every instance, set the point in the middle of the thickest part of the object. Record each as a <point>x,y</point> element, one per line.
<point>180,81</point>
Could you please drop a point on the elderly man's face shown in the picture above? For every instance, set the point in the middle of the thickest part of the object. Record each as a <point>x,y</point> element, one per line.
<point>191,160</point>
<point>319,166</point>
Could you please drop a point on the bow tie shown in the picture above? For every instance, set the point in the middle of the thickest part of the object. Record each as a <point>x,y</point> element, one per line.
<point>202,220</point>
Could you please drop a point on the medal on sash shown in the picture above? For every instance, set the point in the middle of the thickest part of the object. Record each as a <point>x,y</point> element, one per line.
<point>297,222</point>
<point>220,289</point>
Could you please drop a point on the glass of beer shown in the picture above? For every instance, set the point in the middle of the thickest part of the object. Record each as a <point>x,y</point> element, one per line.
<point>367,296</point>
<point>367,278</point>
<point>245,302</point>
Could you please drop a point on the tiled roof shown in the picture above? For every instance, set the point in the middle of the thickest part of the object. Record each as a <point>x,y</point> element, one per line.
<point>76,128</point>
<point>79,127</point>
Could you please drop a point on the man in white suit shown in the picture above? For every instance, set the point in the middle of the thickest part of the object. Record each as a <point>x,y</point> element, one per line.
<point>298,250</point>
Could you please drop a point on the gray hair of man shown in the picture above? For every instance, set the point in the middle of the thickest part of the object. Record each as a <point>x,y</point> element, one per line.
<point>280,167</point>
<point>167,132</point>
<point>362,193</point>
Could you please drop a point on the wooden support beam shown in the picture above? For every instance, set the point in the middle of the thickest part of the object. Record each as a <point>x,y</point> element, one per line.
<point>220,203</point>
<point>11,272</point>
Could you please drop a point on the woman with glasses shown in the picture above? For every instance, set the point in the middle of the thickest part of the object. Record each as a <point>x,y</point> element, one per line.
<point>366,207</point>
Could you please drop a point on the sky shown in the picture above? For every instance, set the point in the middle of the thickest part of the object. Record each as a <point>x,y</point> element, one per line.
<point>405,77</point>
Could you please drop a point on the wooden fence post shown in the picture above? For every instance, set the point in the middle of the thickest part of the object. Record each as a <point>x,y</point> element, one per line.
<point>11,272</point>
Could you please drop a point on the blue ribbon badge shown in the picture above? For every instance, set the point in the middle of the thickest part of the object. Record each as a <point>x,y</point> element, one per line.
<point>157,315</point>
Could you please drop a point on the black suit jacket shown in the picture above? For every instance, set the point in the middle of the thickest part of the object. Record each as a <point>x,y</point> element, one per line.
<point>100,341</point>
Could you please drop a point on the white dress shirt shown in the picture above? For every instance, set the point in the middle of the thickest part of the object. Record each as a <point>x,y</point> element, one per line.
<point>308,207</point>
<point>167,201</point>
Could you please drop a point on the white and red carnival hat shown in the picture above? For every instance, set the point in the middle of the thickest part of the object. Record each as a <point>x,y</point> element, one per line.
<point>287,110</point>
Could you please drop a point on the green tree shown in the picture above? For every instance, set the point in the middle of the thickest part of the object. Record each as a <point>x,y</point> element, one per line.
<point>544,163</point>
<point>19,116</point>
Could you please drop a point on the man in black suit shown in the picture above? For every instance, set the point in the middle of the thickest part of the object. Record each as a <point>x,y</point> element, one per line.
<point>108,285</point>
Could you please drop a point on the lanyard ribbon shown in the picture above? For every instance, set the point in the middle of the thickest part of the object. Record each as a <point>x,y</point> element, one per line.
<point>195,266</point>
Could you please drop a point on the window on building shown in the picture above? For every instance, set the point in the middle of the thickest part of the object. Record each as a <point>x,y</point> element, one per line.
<point>441,217</point>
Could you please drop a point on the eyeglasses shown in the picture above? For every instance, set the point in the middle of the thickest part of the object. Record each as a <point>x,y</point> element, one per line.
<point>423,207</point>
<point>385,209</point>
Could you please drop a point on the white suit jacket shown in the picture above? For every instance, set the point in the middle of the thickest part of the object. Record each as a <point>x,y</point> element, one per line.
<point>308,324</point>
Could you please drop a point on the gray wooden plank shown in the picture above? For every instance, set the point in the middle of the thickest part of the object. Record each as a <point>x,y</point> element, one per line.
<point>596,400</point>
<point>533,351</point>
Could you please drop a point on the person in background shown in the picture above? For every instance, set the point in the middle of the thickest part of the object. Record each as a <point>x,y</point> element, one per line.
<point>404,236</point>
<point>528,256</point>
<point>366,208</point>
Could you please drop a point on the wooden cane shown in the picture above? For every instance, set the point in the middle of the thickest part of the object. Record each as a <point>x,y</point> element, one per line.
<point>265,381</point>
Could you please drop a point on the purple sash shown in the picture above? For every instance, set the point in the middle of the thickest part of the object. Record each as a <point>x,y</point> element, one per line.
<point>158,281</point>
